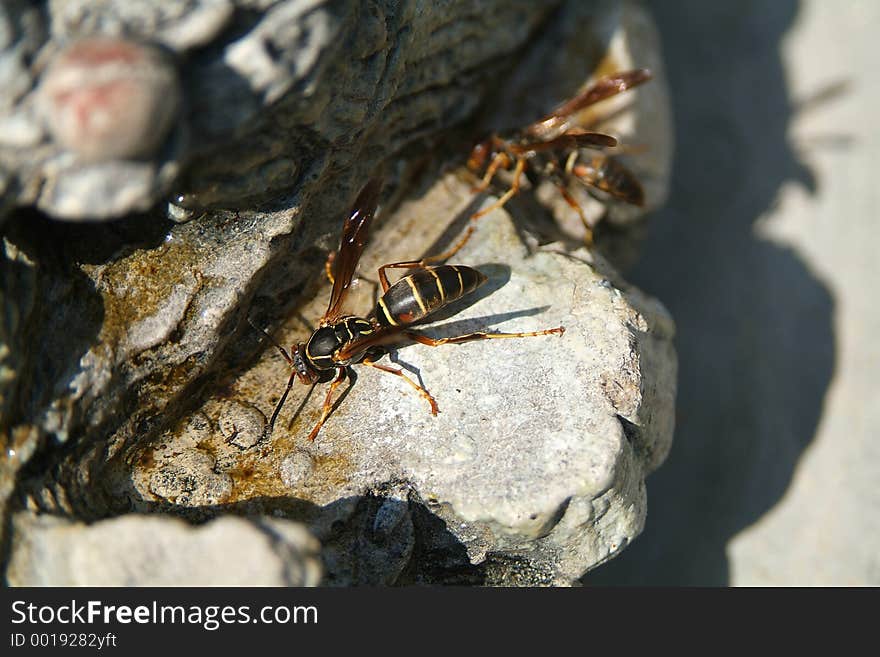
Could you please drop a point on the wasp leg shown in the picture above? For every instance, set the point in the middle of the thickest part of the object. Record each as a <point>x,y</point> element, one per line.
<point>479,335</point>
<point>328,405</point>
<point>424,262</point>
<point>455,248</point>
<point>424,393</point>
<point>500,160</point>
<point>588,235</point>
<point>328,266</point>
<point>451,251</point>
<point>271,426</point>
<point>514,188</point>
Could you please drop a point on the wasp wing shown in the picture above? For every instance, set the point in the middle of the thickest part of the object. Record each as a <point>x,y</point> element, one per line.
<point>351,245</point>
<point>570,140</point>
<point>560,118</point>
<point>357,348</point>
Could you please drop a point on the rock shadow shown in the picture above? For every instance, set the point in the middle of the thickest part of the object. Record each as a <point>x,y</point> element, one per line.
<point>755,337</point>
<point>375,539</point>
<point>58,311</point>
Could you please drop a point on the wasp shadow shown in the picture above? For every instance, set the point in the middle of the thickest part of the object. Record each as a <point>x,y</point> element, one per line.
<point>485,322</point>
<point>755,336</point>
<point>459,328</point>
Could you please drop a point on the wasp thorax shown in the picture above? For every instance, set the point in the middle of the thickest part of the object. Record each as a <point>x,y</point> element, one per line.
<point>321,347</point>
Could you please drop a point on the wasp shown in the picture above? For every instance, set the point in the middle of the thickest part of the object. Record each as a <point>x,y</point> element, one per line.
<point>560,149</point>
<point>341,340</point>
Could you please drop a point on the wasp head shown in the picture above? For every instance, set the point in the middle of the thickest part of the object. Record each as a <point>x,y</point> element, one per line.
<point>480,155</point>
<point>304,370</point>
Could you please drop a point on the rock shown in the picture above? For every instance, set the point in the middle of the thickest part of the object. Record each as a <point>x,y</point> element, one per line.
<point>21,34</point>
<point>128,340</point>
<point>242,424</point>
<point>190,480</point>
<point>262,103</point>
<point>296,467</point>
<point>541,446</point>
<point>109,98</point>
<point>179,24</point>
<point>159,551</point>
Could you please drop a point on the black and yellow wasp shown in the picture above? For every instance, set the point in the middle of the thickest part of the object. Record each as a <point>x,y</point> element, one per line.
<point>341,341</point>
<point>560,148</point>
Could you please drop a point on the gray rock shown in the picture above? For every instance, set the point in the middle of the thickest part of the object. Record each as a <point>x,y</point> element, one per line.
<point>262,103</point>
<point>21,36</point>
<point>115,321</point>
<point>179,24</point>
<point>118,332</point>
<point>242,424</point>
<point>159,551</point>
<point>296,467</point>
<point>542,444</point>
<point>190,479</point>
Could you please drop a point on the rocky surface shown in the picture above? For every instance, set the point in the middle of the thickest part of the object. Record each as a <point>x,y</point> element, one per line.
<point>270,91</point>
<point>128,363</point>
<point>542,443</point>
<point>161,551</point>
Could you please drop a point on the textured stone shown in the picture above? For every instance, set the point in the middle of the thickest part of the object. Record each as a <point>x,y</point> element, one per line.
<point>160,551</point>
<point>242,424</point>
<point>21,36</point>
<point>179,24</point>
<point>109,98</point>
<point>263,103</point>
<point>190,479</point>
<point>542,444</point>
<point>119,331</point>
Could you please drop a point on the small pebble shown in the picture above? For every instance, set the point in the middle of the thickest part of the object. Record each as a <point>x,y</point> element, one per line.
<point>178,214</point>
<point>242,424</point>
<point>110,98</point>
<point>197,428</point>
<point>388,517</point>
<point>295,468</point>
<point>190,480</point>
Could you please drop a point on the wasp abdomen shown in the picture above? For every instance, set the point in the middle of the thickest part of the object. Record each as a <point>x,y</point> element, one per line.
<point>612,177</point>
<point>419,294</point>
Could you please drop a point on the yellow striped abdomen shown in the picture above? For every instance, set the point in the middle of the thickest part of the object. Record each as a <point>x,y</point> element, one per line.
<point>419,294</point>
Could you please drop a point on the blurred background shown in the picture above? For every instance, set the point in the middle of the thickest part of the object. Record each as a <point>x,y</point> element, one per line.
<point>766,256</point>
